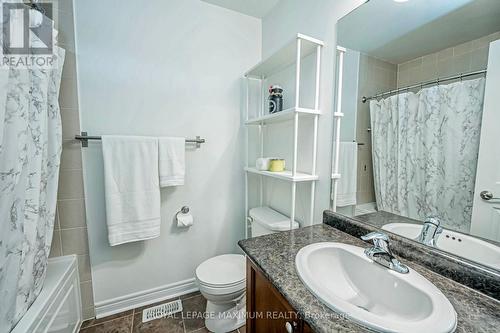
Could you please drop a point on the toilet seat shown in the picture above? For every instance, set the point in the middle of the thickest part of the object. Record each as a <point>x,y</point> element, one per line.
<point>223,270</point>
<point>223,274</point>
<point>216,291</point>
<point>209,285</point>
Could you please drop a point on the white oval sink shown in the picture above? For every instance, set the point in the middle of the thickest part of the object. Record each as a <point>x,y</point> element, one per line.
<point>454,242</point>
<point>348,282</point>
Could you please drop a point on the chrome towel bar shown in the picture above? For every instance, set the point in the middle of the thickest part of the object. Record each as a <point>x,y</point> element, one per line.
<point>84,138</point>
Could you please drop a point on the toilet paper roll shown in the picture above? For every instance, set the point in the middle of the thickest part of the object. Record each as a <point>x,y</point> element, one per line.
<point>262,163</point>
<point>184,220</point>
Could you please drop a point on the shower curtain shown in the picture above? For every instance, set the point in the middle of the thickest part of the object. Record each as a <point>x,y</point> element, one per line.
<point>30,149</point>
<point>425,148</point>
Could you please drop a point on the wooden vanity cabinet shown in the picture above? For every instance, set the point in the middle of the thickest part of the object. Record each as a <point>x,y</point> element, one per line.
<point>267,310</point>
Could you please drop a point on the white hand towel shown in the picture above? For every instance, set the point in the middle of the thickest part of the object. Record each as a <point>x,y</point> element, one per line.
<point>172,164</point>
<point>132,190</point>
<point>348,169</point>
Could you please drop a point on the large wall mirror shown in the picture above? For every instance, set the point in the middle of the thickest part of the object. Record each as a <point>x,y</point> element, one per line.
<point>420,147</point>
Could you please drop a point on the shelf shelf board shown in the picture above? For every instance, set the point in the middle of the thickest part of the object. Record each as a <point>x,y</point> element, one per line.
<point>284,175</point>
<point>284,57</point>
<point>281,116</point>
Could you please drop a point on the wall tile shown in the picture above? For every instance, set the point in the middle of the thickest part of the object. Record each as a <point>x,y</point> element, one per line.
<point>365,197</point>
<point>411,64</point>
<point>55,247</point>
<point>429,71</point>
<point>469,56</point>
<point>71,157</point>
<point>479,59</point>
<point>430,59</point>
<point>415,75</point>
<point>403,78</point>
<point>68,94</point>
<point>393,78</point>
<point>69,68</point>
<point>361,181</point>
<point>88,313</point>
<point>364,160</point>
<point>376,76</point>
<point>66,35</point>
<point>494,36</point>
<point>74,241</point>
<point>445,68</point>
<point>383,64</point>
<point>462,48</point>
<point>461,63</point>
<point>65,7</point>
<point>84,268</point>
<point>57,225</point>
<point>481,42</point>
<point>70,123</point>
<point>70,184</point>
<point>445,54</point>
<point>87,294</point>
<point>72,213</point>
<point>71,228</point>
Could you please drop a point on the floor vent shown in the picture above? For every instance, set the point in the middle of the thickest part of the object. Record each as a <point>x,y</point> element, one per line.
<point>162,310</point>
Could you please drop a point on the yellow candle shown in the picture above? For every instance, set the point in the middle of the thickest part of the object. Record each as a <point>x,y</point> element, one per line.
<point>277,165</point>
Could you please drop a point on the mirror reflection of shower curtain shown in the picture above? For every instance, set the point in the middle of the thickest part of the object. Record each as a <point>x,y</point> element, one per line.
<point>425,149</point>
<point>30,149</point>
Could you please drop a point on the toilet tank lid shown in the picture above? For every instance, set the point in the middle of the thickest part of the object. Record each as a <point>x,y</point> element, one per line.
<point>271,219</point>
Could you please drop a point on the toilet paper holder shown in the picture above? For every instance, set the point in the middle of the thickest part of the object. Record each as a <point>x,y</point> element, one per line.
<point>184,218</point>
<point>184,210</point>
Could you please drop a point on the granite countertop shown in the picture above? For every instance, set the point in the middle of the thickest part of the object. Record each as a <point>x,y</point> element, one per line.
<point>275,255</point>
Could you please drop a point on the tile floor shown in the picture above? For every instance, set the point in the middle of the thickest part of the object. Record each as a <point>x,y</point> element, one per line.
<point>131,321</point>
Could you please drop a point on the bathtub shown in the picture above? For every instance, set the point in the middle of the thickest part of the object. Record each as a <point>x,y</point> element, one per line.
<point>58,307</point>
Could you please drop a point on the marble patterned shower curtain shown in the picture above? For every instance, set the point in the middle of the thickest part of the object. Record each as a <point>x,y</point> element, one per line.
<point>30,149</point>
<point>425,149</point>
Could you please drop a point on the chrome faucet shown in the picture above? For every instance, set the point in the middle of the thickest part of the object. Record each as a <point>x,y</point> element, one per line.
<point>430,231</point>
<point>381,253</point>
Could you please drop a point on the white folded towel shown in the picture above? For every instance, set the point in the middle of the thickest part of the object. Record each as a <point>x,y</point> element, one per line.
<point>348,169</point>
<point>172,164</point>
<point>132,190</point>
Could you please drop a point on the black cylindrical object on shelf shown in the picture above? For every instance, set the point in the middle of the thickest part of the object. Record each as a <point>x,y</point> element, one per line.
<point>275,99</point>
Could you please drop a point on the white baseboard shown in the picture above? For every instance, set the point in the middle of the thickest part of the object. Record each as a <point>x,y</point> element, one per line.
<point>135,300</point>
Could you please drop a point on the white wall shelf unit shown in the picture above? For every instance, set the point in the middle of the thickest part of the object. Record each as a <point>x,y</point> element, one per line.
<point>281,116</point>
<point>338,117</point>
<point>285,57</point>
<point>289,55</point>
<point>284,175</point>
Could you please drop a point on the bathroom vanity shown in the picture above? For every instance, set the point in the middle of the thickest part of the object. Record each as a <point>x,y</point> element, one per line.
<point>275,288</point>
<point>278,315</point>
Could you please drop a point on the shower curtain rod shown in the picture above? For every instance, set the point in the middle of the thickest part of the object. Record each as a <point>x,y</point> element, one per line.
<point>422,84</point>
<point>84,138</point>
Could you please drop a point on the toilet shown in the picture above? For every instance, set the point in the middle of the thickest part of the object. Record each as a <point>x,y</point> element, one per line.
<point>266,220</point>
<point>221,279</point>
<point>222,282</point>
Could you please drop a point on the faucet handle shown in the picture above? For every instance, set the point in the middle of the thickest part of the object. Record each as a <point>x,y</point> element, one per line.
<point>376,236</point>
<point>433,220</point>
<point>431,230</point>
<point>380,241</point>
<point>381,253</point>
